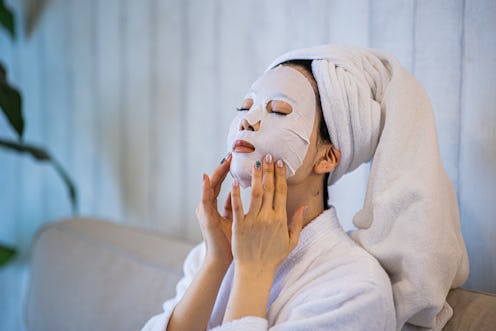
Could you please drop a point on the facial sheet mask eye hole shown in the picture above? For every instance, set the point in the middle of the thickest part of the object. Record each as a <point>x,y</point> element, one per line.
<point>245,105</point>
<point>279,107</point>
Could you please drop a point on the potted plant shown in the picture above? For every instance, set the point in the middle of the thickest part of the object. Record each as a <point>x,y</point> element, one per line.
<point>11,107</point>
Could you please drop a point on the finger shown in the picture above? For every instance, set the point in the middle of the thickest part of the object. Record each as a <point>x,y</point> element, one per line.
<point>206,192</point>
<point>228,207</point>
<point>237,205</point>
<point>268,183</point>
<point>206,197</point>
<point>256,189</point>
<point>295,226</point>
<point>220,174</point>
<point>281,188</point>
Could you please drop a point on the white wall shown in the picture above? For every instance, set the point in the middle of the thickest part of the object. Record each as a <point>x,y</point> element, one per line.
<point>135,97</point>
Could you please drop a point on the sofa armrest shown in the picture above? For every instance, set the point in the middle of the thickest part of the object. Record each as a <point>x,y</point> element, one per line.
<point>472,311</point>
<point>96,275</point>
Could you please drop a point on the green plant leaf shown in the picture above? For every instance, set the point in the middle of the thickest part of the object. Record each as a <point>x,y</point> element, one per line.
<point>6,254</point>
<point>11,104</point>
<point>7,19</point>
<point>41,155</point>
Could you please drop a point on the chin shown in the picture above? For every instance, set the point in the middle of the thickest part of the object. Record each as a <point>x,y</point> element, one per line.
<point>242,167</point>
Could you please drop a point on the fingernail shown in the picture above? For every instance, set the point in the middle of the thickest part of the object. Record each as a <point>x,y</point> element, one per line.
<point>204,177</point>
<point>280,164</point>
<point>257,164</point>
<point>236,183</point>
<point>268,159</point>
<point>227,157</point>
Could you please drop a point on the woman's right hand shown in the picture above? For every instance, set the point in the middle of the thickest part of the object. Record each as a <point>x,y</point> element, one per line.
<point>216,228</point>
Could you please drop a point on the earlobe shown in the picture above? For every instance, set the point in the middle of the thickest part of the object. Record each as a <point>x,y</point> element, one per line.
<point>328,161</point>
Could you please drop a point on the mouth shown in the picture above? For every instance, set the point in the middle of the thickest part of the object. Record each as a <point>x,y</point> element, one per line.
<point>242,146</point>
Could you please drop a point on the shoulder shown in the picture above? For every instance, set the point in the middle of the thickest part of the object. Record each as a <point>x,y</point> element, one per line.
<point>353,268</point>
<point>347,291</point>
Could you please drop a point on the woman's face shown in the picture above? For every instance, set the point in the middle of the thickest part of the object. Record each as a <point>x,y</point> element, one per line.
<point>278,116</point>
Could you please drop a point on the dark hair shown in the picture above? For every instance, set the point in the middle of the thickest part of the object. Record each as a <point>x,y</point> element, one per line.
<point>323,132</point>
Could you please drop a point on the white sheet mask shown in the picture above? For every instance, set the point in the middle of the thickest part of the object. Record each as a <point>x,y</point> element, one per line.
<point>286,137</point>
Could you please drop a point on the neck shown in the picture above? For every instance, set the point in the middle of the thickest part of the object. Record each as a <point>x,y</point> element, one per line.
<point>306,193</point>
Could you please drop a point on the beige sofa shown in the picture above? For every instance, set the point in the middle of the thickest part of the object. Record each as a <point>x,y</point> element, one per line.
<point>96,275</point>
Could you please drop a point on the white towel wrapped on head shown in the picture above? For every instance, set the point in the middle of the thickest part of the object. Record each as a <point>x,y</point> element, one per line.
<point>375,109</point>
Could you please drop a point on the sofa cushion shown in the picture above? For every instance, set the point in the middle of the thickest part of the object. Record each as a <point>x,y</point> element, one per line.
<point>88,274</point>
<point>96,275</point>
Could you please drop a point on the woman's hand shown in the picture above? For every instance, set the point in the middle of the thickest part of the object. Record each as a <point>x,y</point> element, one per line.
<point>216,228</point>
<point>262,238</point>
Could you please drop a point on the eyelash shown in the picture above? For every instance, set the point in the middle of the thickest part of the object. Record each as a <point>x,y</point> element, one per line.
<point>272,112</point>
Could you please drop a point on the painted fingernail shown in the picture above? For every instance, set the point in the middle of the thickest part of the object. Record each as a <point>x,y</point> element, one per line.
<point>227,157</point>
<point>280,164</point>
<point>257,164</point>
<point>235,183</point>
<point>268,159</point>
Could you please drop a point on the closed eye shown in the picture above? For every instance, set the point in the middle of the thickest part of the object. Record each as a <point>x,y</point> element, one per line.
<point>279,107</point>
<point>246,105</point>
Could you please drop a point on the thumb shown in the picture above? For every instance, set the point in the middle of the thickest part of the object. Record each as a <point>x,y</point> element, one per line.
<point>296,225</point>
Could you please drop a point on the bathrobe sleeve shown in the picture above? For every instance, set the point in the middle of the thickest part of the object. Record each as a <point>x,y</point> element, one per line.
<point>364,306</point>
<point>192,264</point>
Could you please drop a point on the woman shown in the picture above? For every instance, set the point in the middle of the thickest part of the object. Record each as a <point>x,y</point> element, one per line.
<point>287,264</point>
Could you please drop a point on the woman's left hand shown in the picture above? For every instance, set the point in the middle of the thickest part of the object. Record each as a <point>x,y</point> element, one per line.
<point>262,238</point>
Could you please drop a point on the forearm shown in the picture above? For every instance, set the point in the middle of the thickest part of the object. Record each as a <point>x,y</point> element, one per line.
<point>193,311</point>
<point>250,293</point>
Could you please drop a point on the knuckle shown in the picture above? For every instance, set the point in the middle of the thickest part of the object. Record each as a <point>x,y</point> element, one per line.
<point>268,186</point>
<point>256,193</point>
<point>268,168</point>
<point>238,230</point>
<point>265,218</point>
<point>282,187</point>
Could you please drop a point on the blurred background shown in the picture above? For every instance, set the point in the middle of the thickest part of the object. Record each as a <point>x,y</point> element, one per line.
<point>134,99</point>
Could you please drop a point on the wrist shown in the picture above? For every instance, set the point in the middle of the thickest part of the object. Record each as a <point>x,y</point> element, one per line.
<point>213,263</point>
<point>250,292</point>
<point>256,273</point>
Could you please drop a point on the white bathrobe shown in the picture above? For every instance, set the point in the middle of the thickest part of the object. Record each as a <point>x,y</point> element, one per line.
<point>327,282</point>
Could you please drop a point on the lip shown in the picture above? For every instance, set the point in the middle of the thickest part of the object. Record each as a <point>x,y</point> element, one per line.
<point>242,146</point>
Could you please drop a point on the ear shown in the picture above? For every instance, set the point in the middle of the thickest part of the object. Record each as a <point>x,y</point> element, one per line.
<point>328,159</point>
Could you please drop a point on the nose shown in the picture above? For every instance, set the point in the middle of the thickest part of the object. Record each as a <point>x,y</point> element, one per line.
<point>245,125</point>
